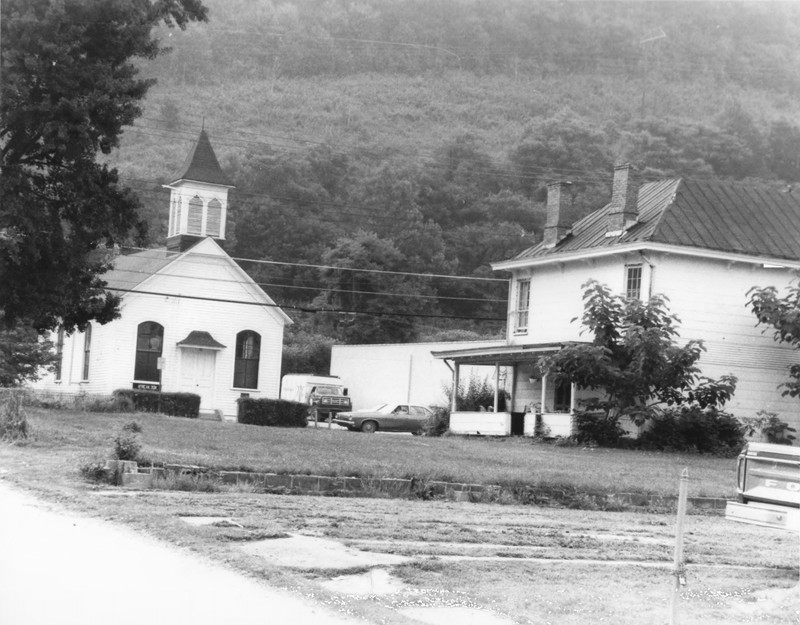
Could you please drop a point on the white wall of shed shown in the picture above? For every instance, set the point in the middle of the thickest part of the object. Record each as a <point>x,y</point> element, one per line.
<point>403,373</point>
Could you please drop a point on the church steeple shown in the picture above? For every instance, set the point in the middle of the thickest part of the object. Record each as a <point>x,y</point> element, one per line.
<point>198,199</point>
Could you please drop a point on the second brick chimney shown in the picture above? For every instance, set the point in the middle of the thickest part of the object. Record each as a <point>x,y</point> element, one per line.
<point>623,211</point>
<point>556,226</point>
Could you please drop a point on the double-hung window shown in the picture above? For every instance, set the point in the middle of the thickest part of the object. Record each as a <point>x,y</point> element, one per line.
<point>633,281</point>
<point>522,306</point>
<point>87,350</point>
<point>59,353</point>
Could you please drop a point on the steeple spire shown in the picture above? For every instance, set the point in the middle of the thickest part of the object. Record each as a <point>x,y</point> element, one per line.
<point>199,198</point>
<point>201,164</point>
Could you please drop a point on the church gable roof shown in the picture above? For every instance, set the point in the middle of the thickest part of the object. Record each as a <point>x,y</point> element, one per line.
<point>130,270</point>
<point>202,165</point>
<point>710,215</point>
<point>205,271</point>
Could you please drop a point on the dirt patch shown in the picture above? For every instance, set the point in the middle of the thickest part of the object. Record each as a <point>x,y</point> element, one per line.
<point>462,616</point>
<point>310,553</point>
<point>373,582</point>
<point>218,521</point>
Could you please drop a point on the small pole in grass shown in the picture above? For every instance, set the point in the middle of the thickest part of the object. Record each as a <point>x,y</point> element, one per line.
<point>679,570</point>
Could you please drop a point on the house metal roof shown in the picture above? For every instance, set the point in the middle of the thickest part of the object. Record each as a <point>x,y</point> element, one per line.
<point>202,165</point>
<point>709,215</point>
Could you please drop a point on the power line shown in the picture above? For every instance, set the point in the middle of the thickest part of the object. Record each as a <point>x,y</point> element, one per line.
<point>356,269</point>
<point>306,309</point>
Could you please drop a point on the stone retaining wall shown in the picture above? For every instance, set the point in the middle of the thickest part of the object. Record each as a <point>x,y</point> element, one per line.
<point>130,475</point>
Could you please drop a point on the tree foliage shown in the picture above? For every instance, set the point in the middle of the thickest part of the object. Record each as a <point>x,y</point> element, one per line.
<point>634,358</point>
<point>782,313</point>
<point>70,84</point>
<point>23,356</point>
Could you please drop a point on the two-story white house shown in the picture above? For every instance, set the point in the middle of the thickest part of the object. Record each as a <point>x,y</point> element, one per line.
<point>191,319</point>
<point>703,244</point>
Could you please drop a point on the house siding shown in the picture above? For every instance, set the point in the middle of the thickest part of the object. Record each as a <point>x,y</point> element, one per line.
<point>709,297</point>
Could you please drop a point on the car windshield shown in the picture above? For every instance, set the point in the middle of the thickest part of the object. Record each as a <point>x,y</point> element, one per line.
<point>328,390</point>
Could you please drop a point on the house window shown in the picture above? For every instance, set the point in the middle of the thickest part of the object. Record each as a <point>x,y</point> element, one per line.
<point>214,218</point>
<point>59,353</point>
<point>248,352</point>
<point>87,349</point>
<point>195,217</point>
<point>523,305</point>
<point>633,281</point>
<point>149,341</point>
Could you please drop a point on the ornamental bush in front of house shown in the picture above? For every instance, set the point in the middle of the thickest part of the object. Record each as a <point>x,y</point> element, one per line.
<point>172,404</point>
<point>272,412</point>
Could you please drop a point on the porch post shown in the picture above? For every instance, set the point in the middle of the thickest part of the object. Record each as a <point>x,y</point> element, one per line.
<point>544,391</point>
<point>496,386</point>
<point>456,372</point>
<point>513,399</point>
<point>572,390</point>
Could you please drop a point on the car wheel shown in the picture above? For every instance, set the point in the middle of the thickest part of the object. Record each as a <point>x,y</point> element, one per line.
<point>369,427</point>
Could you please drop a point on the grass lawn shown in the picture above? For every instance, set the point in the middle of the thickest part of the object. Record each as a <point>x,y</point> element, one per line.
<point>71,438</point>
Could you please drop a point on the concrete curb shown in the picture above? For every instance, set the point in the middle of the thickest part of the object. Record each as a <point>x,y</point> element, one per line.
<point>129,475</point>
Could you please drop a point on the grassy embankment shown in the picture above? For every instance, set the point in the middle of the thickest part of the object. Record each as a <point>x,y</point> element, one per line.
<point>63,441</point>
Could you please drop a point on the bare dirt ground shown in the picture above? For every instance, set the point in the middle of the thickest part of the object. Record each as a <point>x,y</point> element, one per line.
<point>412,561</point>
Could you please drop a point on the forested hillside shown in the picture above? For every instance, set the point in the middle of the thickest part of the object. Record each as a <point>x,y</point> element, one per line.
<point>418,135</point>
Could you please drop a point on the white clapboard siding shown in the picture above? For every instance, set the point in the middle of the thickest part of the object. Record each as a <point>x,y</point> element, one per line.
<point>481,423</point>
<point>203,276</point>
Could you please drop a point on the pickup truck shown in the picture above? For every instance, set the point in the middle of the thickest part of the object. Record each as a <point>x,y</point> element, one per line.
<point>768,486</point>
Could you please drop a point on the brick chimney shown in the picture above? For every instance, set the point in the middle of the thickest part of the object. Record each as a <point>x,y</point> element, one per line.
<point>622,211</point>
<point>556,226</point>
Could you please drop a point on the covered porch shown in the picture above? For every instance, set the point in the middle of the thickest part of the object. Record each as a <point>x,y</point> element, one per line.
<point>527,402</point>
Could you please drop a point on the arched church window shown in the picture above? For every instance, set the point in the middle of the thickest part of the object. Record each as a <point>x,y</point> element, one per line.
<point>149,340</point>
<point>248,353</point>
<point>214,218</point>
<point>195,221</point>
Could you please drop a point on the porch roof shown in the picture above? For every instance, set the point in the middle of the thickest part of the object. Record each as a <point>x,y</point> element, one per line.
<point>504,354</point>
<point>199,339</point>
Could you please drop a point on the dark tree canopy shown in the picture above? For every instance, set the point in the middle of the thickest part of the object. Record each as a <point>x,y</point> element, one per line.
<point>69,86</point>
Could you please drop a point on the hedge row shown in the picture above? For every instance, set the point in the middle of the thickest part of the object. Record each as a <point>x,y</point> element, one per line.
<point>173,404</point>
<point>272,412</point>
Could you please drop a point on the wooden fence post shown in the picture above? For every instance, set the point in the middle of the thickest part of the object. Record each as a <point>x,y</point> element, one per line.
<point>679,570</point>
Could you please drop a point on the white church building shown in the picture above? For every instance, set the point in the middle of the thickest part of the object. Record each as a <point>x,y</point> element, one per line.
<point>191,319</point>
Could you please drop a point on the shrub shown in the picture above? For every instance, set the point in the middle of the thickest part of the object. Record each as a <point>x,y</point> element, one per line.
<point>172,404</point>
<point>691,428</point>
<point>439,423</point>
<point>770,427</point>
<point>598,427</point>
<point>477,394</point>
<point>95,470</point>
<point>126,443</point>
<point>272,412</point>
<point>13,421</point>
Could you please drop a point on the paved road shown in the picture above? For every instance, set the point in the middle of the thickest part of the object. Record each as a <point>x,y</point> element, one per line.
<point>61,568</point>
